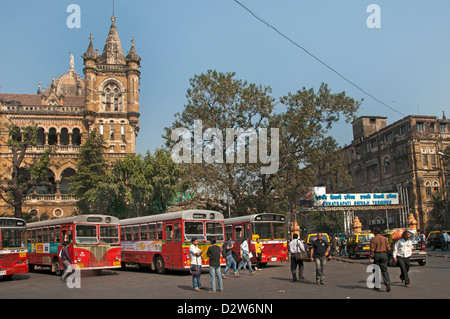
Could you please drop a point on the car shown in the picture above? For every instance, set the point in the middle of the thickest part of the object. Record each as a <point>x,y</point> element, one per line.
<point>358,244</point>
<point>434,239</point>
<point>418,252</point>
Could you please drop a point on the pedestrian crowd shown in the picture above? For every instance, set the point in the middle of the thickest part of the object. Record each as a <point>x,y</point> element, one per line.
<point>214,253</point>
<point>319,252</point>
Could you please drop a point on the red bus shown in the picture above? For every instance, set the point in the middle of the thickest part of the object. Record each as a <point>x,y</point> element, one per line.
<point>271,229</point>
<point>13,250</point>
<point>94,242</point>
<point>162,241</point>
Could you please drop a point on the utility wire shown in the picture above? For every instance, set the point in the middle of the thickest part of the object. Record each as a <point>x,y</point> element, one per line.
<point>316,58</point>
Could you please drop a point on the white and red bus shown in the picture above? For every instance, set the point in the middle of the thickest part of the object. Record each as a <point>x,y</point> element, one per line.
<point>271,230</point>
<point>162,241</point>
<point>13,250</point>
<point>94,242</point>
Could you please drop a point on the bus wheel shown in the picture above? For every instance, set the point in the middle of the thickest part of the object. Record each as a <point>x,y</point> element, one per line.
<point>56,267</point>
<point>159,265</point>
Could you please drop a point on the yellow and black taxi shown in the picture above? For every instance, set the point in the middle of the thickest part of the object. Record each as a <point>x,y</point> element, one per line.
<point>358,244</point>
<point>418,247</point>
<point>434,239</point>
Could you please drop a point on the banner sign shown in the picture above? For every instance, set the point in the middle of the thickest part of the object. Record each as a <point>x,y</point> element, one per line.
<point>356,199</point>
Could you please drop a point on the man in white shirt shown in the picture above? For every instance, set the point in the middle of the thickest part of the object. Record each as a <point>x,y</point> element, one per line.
<point>402,252</point>
<point>196,264</point>
<point>246,257</point>
<point>296,246</point>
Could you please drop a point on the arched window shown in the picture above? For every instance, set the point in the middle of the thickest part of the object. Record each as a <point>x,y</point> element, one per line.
<point>76,137</point>
<point>40,136</point>
<point>387,165</point>
<point>65,180</point>
<point>428,188</point>
<point>64,137</point>
<point>52,136</point>
<point>112,97</point>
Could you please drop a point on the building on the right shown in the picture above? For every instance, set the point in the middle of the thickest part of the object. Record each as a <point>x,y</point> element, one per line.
<point>406,157</point>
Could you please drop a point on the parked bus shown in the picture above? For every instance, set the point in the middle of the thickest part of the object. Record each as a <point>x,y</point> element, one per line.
<point>94,242</point>
<point>271,230</point>
<point>162,241</point>
<point>13,250</point>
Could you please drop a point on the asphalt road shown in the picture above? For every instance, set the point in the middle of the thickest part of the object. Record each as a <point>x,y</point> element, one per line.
<point>344,280</point>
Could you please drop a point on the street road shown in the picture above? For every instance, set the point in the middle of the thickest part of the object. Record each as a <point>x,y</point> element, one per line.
<point>344,280</point>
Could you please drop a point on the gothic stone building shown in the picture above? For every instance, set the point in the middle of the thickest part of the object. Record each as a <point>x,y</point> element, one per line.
<point>402,157</point>
<point>107,98</point>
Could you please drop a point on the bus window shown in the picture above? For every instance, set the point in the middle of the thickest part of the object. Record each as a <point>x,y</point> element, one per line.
<point>229,231</point>
<point>169,232</point>
<point>136,232</point>
<point>33,236</point>
<point>128,233</point>
<point>177,232</point>
<point>143,228</point>
<point>39,235</point>
<point>214,230</point>
<point>51,234</point>
<point>152,231</point>
<point>193,229</point>
<point>57,234</point>
<point>263,230</point>
<point>278,231</point>
<point>109,234</point>
<point>159,230</point>
<point>238,233</point>
<point>86,234</point>
<point>45,234</point>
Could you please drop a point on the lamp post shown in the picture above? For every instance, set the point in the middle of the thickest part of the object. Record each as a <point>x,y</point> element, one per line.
<point>444,180</point>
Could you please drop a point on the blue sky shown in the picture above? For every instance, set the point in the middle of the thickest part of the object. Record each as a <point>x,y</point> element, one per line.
<point>405,63</point>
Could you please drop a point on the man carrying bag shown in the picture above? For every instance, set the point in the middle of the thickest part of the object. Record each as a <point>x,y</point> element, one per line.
<point>298,253</point>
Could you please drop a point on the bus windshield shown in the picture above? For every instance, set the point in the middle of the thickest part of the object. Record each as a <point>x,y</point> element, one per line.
<point>269,230</point>
<point>214,230</point>
<point>86,234</point>
<point>109,234</point>
<point>193,229</point>
<point>12,238</point>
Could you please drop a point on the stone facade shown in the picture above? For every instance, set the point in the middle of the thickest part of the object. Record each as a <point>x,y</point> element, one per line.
<point>106,98</point>
<point>401,157</point>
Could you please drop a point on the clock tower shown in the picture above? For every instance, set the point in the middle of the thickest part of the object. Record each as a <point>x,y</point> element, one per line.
<point>112,93</point>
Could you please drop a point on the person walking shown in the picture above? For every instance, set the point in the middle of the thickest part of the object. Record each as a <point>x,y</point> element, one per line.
<point>196,264</point>
<point>228,254</point>
<point>320,249</point>
<point>214,253</point>
<point>401,253</point>
<point>258,252</point>
<point>66,260</point>
<point>379,249</point>
<point>245,254</point>
<point>296,246</point>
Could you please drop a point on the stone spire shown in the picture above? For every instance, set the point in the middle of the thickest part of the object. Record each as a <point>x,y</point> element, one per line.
<point>90,53</point>
<point>132,54</point>
<point>112,52</point>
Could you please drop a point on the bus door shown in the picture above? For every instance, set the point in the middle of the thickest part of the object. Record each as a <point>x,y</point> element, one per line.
<point>173,256</point>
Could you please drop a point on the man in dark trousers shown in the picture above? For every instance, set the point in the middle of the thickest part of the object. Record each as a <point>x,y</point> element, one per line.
<point>66,260</point>
<point>379,249</point>
<point>214,253</point>
<point>320,249</point>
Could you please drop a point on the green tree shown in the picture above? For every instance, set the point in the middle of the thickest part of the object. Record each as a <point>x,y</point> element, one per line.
<point>221,101</point>
<point>23,176</point>
<point>89,184</point>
